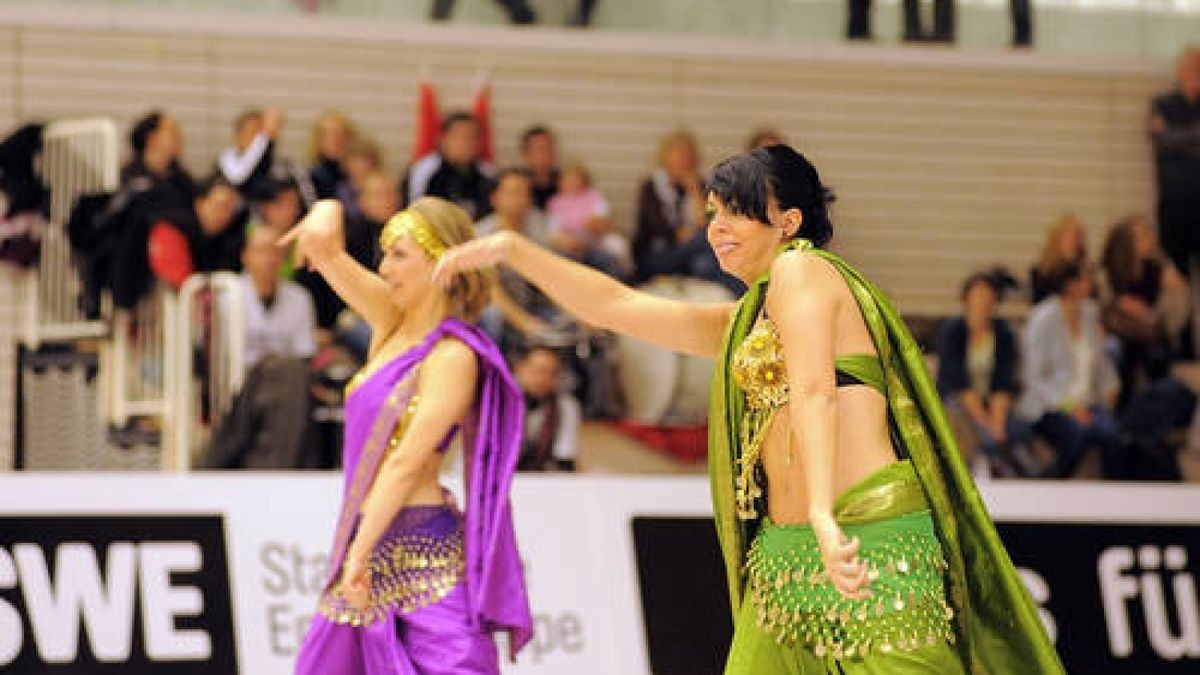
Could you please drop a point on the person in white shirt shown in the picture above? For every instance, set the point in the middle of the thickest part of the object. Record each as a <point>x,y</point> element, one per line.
<point>279,314</point>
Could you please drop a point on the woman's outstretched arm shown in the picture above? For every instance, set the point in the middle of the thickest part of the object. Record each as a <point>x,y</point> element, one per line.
<point>597,298</point>
<point>321,244</point>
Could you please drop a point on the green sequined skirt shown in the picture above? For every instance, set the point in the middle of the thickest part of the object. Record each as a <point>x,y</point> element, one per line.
<point>794,621</point>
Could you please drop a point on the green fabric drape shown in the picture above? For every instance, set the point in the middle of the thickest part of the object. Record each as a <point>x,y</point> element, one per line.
<point>998,624</point>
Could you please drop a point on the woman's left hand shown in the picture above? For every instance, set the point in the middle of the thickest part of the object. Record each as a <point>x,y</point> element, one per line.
<point>356,584</point>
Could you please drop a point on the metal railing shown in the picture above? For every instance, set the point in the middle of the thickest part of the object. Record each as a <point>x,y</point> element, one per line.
<point>78,157</point>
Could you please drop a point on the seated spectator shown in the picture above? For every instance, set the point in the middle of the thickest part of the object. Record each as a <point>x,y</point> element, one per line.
<point>378,202</point>
<point>1070,384</point>
<point>520,310</point>
<point>277,208</point>
<point>976,377</point>
<point>539,156</point>
<point>455,171</point>
<point>670,238</point>
<point>157,146</point>
<point>552,417</point>
<point>1147,307</point>
<point>279,315</point>
<point>363,157</point>
<point>1065,243</point>
<point>581,223</point>
<point>332,136</point>
<point>249,160</point>
<point>199,239</point>
<point>764,137</point>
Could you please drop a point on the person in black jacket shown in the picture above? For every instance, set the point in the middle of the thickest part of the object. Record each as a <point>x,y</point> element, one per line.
<point>1175,135</point>
<point>455,172</point>
<point>977,365</point>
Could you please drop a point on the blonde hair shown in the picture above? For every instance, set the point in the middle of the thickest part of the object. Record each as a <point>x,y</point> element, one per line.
<point>314,142</point>
<point>678,136</point>
<point>470,291</point>
<point>1051,257</point>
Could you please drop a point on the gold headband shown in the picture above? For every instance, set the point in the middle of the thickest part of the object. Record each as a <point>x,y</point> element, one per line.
<point>413,224</point>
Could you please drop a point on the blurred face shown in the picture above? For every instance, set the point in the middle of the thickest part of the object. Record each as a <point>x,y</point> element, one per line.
<point>513,197</point>
<point>980,301</point>
<point>333,138</point>
<point>262,259</point>
<point>247,130</point>
<point>359,166</point>
<point>217,209</point>
<point>1070,243</point>
<point>378,199</point>
<point>744,246</point>
<point>460,143</point>
<point>1188,73</point>
<point>407,271</point>
<point>167,139</point>
<point>679,159</point>
<point>1145,243</point>
<point>538,373</point>
<point>572,181</point>
<point>282,212</point>
<point>539,153</point>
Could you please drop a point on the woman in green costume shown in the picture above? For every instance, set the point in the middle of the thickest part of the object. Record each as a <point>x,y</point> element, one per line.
<point>853,537</point>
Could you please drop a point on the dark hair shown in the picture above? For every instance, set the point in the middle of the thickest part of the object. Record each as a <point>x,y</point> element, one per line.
<point>746,183</point>
<point>505,173</point>
<point>1120,258</point>
<point>998,279</point>
<point>455,117</point>
<point>139,136</point>
<point>533,132</point>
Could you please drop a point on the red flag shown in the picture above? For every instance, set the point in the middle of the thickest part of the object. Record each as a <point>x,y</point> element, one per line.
<point>429,120</point>
<point>481,108</point>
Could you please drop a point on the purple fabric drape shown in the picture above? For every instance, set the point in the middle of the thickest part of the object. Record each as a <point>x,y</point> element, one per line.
<point>495,584</point>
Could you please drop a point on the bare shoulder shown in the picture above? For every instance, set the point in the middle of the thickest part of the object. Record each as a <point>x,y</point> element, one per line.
<point>796,270</point>
<point>450,359</point>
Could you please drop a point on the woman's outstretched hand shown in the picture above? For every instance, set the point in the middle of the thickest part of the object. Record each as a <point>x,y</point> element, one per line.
<point>319,236</point>
<point>475,254</point>
<point>356,584</point>
<point>847,572</point>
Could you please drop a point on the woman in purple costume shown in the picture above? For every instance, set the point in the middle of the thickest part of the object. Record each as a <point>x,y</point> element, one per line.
<point>415,586</point>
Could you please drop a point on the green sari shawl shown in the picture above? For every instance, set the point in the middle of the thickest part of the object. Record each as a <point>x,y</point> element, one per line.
<point>998,625</point>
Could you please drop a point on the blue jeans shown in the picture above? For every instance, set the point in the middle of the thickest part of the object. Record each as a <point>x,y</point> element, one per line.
<point>1016,431</point>
<point>1072,441</point>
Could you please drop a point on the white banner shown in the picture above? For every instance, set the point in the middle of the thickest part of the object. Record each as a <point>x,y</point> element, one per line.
<point>129,573</point>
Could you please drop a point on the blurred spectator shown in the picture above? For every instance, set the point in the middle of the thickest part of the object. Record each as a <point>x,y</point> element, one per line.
<point>539,156</point>
<point>976,377</point>
<point>552,417</point>
<point>198,239</point>
<point>519,12</point>
<point>1070,385</point>
<point>24,199</point>
<point>378,202</point>
<point>1022,22</point>
<point>157,146</point>
<point>249,161</point>
<point>1175,135</point>
<point>858,26</point>
<point>763,137</point>
<point>581,218</point>
<point>363,157</point>
<point>279,314</point>
<point>1065,243</point>
<point>670,217</point>
<point>332,136</point>
<point>455,171</point>
<point>277,207</point>
<point>1148,304</point>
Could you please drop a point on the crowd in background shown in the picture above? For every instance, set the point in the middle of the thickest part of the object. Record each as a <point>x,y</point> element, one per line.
<point>1090,369</point>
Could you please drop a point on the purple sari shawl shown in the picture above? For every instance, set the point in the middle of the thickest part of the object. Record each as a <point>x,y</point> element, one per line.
<point>495,583</point>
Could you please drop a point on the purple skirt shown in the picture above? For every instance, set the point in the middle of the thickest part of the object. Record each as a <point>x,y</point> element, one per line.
<point>418,622</point>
